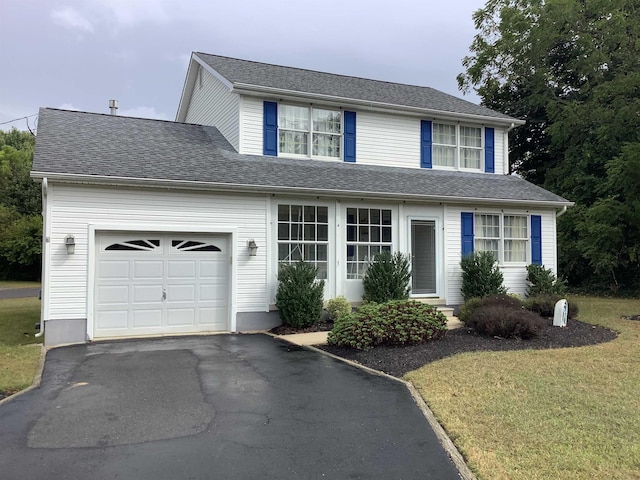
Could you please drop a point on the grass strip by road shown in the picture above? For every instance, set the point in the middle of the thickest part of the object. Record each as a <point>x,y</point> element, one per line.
<point>546,414</point>
<point>18,354</point>
<point>18,284</point>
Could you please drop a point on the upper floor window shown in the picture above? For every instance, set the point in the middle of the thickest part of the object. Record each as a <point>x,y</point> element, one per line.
<point>309,131</point>
<point>457,146</point>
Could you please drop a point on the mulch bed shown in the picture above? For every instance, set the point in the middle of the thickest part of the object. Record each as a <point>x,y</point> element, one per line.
<point>321,326</point>
<point>397,361</point>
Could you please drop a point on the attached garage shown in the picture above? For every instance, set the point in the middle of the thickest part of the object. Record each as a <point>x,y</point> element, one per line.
<point>160,283</point>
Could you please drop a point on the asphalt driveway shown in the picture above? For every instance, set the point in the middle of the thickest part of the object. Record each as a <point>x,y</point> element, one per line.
<point>223,407</point>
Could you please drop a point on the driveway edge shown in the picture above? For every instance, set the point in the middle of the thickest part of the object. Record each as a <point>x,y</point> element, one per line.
<point>37,377</point>
<point>452,451</point>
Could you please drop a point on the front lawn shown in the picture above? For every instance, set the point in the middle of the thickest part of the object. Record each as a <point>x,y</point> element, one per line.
<point>18,354</point>
<point>570,413</point>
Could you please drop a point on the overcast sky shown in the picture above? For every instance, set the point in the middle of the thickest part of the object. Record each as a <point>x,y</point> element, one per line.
<point>78,54</point>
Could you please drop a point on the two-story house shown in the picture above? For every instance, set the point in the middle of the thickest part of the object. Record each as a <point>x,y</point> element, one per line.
<point>155,227</point>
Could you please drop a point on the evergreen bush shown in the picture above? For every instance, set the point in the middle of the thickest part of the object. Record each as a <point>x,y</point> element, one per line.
<point>544,305</point>
<point>403,322</point>
<point>387,278</point>
<point>506,322</point>
<point>543,281</point>
<point>337,308</point>
<point>481,276</point>
<point>299,296</point>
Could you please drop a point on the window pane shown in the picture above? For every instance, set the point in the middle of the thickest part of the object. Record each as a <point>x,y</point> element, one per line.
<point>283,251</point>
<point>375,217</point>
<point>296,143</point>
<point>386,217</point>
<point>309,232</point>
<point>327,121</point>
<point>363,253</point>
<point>283,231</point>
<point>375,234</point>
<point>296,252</point>
<point>296,231</point>
<point>283,213</point>
<point>363,216</point>
<point>291,117</point>
<point>515,251</point>
<point>487,246</point>
<point>323,215</point>
<point>444,134</point>
<point>471,137</point>
<point>470,158</point>
<point>323,233</point>
<point>352,215</point>
<point>444,156</point>
<point>351,233</point>
<point>326,145</point>
<point>363,234</point>
<point>309,214</point>
<point>296,213</point>
<point>515,226</point>
<point>386,234</point>
<point>322,270</point>
<point>322,252</point>
<point>310,253</point>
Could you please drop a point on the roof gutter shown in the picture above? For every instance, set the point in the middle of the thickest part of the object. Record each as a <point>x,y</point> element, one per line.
<point>281,189</point>
<point>248,89</point>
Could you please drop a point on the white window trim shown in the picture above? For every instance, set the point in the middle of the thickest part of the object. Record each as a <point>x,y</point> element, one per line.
<point>502,238</point>
<point>310,133</point>
<point>458,147</point>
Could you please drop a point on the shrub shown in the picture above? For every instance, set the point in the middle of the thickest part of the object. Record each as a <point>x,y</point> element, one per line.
<point>506,322</point>
<point>542,281</point>
<point>387,278</point>
<point>299,295</point>
<point>481,276</point>
<point>337,308</point>
<point>393,323</point>
<point>502,300</point>
<point>544,305</point>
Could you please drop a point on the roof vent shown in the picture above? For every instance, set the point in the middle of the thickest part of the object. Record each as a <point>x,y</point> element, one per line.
<point>113,105</point>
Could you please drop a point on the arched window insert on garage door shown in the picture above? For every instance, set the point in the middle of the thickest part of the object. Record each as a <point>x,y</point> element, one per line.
<point>144,245</point>
<point>193,246</point>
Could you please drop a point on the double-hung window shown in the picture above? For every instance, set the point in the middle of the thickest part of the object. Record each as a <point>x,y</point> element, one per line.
<point>309,131</point>
<point>303,234</point>
<point>505,235</point>
<point>368,233</point>
<point>457,146</point>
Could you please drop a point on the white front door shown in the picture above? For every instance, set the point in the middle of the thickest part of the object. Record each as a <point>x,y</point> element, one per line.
<point>150,283</point>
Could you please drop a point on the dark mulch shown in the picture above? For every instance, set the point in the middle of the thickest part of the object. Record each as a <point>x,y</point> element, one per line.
<point>321,326</point>
<point>397,361</point>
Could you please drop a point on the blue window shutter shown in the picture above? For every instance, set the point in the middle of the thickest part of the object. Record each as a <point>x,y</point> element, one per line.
<point>270,138</point>
<point>425,144</point>
<point>536,239</point>
<point>349,136</point>
<point>489,150</point>
<point>467,233</point>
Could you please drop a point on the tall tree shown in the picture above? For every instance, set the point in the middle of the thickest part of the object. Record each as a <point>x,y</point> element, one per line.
<point>20,205</point>
<point>571,69</point>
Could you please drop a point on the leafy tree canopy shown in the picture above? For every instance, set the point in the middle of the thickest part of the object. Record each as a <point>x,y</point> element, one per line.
<point>571,69</point>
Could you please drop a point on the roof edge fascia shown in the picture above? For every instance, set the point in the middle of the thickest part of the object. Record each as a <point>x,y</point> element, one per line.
<point>247,188</point>
<point>249,89</point>
<point>189,82</point>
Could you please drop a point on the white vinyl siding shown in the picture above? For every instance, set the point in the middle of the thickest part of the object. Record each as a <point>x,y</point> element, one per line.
<point>213,104</point>
<point>251,125</point>
<point>74,208</point>
<point>387,140</point>
<point>514,275</point>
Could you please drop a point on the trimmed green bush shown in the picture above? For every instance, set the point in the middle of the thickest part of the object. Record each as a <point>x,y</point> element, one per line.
<point>506,322</point>
<point>337,308</point>
<point>481,276</point>
<point>387,278</point>
<point>542,281</point>
<point>470,306</point>
<point>544,305</point>
<point>299,296</point>
<point>403,322</point>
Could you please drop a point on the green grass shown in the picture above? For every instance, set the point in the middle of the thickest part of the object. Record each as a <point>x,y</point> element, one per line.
<point>551,414</point>
<point>18,354</point>
<point>18,284</point>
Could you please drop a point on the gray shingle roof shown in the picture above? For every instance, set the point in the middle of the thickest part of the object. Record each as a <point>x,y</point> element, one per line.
<point>342,86</point>
<point>73,143</point>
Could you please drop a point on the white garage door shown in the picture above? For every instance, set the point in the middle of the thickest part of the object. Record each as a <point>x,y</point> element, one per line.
<point>149,283</point>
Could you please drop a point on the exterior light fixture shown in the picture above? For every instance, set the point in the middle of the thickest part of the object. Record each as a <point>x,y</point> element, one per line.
<point>253,247</point>
<point>70,242</point>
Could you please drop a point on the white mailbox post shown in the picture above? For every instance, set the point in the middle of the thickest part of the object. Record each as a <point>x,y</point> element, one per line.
<point>560,313</point>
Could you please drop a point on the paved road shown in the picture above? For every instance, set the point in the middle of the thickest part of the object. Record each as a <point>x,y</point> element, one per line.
<point>223,407</point>
<point>18,292</point>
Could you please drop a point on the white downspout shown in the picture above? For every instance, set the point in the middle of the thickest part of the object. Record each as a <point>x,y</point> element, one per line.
<point>43,272</point>
<point>561,212</point>
<point>506,148</point>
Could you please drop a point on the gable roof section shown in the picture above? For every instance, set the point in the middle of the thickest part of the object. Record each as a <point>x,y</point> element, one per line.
<point>245,75</point>
<point>96,148</point>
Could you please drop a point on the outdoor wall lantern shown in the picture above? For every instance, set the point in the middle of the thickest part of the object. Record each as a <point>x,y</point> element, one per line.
<point>253,248</point>
<point>70,242</point>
